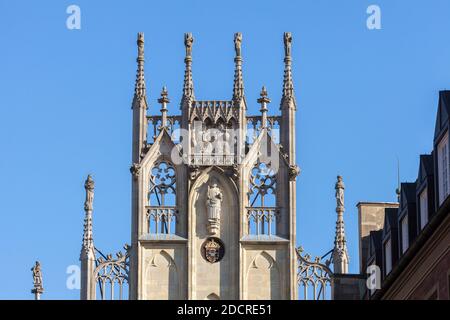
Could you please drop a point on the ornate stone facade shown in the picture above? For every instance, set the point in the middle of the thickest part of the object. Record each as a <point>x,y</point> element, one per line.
<point>213,197</point>
<point>201,227</point>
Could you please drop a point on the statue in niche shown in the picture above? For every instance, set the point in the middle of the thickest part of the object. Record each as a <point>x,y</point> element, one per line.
<point>213,205</point>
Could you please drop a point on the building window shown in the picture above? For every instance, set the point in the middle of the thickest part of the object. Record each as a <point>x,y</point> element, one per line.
<point>262,212</point>
<point>404,233</point>
<point>443,169</point>
<point>161,208</point>
<point>423,198</point>
<point>388,256</point>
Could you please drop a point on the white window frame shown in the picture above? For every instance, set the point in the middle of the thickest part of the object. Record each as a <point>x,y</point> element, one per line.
<point>423,203</point>
<point>387,256</point>
<point>443,168</point>
<point>404,233</point>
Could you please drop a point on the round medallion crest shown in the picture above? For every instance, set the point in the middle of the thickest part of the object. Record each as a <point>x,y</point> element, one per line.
<point>213,250</point>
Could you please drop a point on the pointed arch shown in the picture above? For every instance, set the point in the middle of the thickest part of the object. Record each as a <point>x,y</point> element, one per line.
<point>212,296</point>
<point>227,230</point>
<point>201,179</point>
<point>162,273</point>
<point>263,278</point>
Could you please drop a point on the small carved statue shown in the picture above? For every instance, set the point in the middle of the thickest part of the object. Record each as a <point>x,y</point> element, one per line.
<point>294,171</point>
<point>287,44</point>
<point>89,186</point>
<point>339,193</point>
<point>37,275</point>
<point>140,43</point>
<point>194,171</point>
<point>237,43</point>
<point>135,170</point>
<point>188,41</point>
<point>213,204</point>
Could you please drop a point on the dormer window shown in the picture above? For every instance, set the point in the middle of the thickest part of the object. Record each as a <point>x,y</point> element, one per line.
<point>423,199</point>
<point>387,256</point>
<point>443,169</point>
<point>404,233</point>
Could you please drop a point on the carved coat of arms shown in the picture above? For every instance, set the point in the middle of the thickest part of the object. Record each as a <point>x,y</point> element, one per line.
<point>212,250</point>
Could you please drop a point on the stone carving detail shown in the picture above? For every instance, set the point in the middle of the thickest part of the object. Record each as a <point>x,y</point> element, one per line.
<point>188,41</point>
<point>287,44</point>
<point>237,43</point>
<point>294,171</point>
<point>233,172</point>
<point>213,205</point>
<point>111,275</point>
<point>262,184</point>
<point>213,250</point>
<point>38,289</point>
<point>135,170</point>
<point>339,193</point>
<point>89,186</point>
<point>213,110</point>
<point>194,171</point>
<point>162,182</point>
<point>313,277</point>
<point>340,253</point>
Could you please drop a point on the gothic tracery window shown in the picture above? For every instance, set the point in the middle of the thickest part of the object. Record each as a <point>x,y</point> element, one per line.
<point>262,186</point>
<point>111,275</point>
<point>161,209</point>
<point>262,211</point>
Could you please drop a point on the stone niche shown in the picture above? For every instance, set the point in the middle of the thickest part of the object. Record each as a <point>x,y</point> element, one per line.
<point>220,279</point>
<point>164,269</point>
<point>265,272</point>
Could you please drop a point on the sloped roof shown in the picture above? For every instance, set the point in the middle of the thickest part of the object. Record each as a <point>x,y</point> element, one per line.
<point>408,192</point>
<point>442,117</point>
<point>390,220</point>
<point>375,242</point>
<point>425,167</point>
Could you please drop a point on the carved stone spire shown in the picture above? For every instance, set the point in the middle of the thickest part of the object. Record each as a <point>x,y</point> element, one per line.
<point>88,240</point>
<point>188,85</point>
<point>264,100</point>
<point>140,91</point>
<point>238,87</point>
<point>38,288</point>
<point>288,85</point>
<point>164,100</point>
<point>340,252</point>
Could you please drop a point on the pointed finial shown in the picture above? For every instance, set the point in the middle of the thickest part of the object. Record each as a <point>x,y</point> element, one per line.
<point>139,88</point>
<point>188,85</point>
<point>164,100</point>
<point>87,248</point>
<point>263,100</point>
<point>340,253</point>
<point>288,85</point>
<point>238,87</point>
<point>38,288</point>
<point>263,95</point>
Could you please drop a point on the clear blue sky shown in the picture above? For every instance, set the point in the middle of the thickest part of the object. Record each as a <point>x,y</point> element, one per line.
<point>364,99</point>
